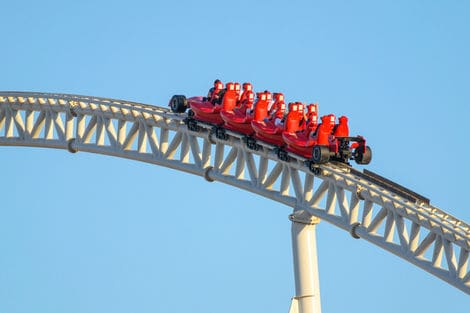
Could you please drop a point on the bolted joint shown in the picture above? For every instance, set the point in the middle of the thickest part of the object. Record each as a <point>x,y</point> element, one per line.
<point>72,106</point>
<point>359,189</point>
<point>303,217</point>
<point>70,145</point>
<point>211,133</point>
<point>353,229</point>
<point>207,172</point>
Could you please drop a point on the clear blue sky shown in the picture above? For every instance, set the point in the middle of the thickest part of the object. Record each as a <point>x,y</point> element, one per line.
<point>89,233</point>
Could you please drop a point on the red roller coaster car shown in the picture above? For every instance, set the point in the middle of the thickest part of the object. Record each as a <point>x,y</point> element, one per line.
<point>294,132</point>
<point>239,118</point>
<point>207,109</point>
<point>270,128</point>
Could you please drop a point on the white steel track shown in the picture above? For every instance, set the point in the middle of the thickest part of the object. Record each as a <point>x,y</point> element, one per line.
<point>419,233</point>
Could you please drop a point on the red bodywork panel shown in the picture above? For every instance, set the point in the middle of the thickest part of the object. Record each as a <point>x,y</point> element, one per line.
<point>268,131</point>
<point>205,111</point>
<point>237,120</point>
<point>299,143</point>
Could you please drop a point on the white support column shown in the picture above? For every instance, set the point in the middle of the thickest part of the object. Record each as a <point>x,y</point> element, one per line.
<point>304,247</point>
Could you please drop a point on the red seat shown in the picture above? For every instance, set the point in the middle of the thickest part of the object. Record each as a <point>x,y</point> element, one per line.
<point>325,129</point>
<point>293,118</point>
<point>230,97</point>
<point>312,118</point>
<point>246,104</point>
<point>238,91</point>
<point>261,107</point>
<point>277,105</point>
<point>342,129</point>
<point>247,89</point>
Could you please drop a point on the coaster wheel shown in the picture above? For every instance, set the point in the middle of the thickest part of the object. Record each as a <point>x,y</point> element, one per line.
<point>361,156</point>
<point>282,155</point>
<point>251,143</point>
<point>178,104</point>
<point>314,168</point>
<point>320,154</point>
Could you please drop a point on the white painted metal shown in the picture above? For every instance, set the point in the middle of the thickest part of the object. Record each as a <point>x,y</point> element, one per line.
<point>419,233</point>
<point>304,248</point>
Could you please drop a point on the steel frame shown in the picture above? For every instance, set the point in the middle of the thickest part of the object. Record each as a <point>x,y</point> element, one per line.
<point>419,233</point>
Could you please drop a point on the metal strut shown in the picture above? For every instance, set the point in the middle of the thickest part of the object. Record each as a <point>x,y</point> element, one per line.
<point>304,248</point>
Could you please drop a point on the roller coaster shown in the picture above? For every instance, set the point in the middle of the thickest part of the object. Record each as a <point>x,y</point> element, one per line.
<point>362,203</point>
<point>230,108</point>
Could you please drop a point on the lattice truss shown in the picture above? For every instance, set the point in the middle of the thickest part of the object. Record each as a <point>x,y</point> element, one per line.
<point>419,233</point>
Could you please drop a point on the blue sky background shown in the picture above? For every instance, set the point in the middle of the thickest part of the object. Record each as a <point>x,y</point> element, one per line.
<point>90,233</point>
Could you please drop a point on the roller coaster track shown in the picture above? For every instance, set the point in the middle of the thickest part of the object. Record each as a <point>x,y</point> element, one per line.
<point>367,208</point>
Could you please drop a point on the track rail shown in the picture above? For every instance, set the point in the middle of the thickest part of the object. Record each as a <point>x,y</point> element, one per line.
<point>416,231</point>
